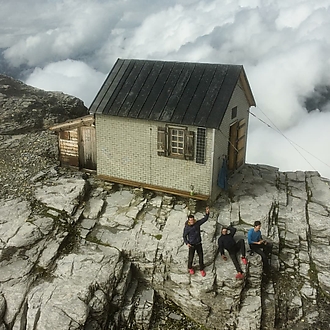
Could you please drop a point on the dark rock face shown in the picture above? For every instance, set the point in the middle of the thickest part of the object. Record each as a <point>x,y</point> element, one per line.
<point>26,146</point>
<point>26,109</point>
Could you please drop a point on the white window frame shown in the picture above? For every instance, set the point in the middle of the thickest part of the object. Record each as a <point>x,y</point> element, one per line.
<point>176,138</point>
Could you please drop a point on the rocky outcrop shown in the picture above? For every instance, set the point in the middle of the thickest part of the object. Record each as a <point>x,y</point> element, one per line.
<point>96,256</point>
<point>26,148</point>
<point>80,253</point>
<point>24,108</point>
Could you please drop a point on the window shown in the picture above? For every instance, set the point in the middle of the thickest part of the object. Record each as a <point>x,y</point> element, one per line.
<point>200,145</point>
<point>176,142</point>
<point>176,145</point>
<point>233,112</point>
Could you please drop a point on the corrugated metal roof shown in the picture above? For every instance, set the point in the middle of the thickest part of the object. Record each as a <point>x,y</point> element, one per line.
<point>174,92</point>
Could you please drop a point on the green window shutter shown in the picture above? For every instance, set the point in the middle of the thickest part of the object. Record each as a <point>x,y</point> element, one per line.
<point>189,145</point>
<point>161,141</point>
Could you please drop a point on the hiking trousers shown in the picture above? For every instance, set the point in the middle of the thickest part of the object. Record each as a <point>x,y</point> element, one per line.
<point>239,246</point>
<point>265,251</point>
<point>199,249</point>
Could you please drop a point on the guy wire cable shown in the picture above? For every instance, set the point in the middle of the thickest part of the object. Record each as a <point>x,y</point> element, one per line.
<point>280,132</point>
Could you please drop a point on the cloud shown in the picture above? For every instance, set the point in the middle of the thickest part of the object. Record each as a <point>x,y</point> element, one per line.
<point>68,30</point>
<point>72,77</point>
<point>283,46</point>
<point>302,147</point>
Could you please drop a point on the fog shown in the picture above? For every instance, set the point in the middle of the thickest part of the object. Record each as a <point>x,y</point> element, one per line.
<point>71,46</point>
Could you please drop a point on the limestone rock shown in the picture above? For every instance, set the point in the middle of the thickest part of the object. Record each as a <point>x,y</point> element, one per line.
<point>79,253</point>
<point>65,195</point>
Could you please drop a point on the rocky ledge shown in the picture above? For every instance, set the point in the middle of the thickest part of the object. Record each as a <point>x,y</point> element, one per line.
<point>80,253</point>
<point>86,254</point>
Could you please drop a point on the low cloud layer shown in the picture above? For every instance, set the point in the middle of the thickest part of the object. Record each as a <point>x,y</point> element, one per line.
<point>73,77</point>
<point>71,46</point>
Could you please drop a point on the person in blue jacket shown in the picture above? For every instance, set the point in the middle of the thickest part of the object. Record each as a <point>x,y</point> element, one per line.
<point>259,245</point>
<point>192,238</point>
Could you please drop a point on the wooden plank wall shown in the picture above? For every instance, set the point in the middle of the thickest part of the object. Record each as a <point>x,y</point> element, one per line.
<point>68,144</point>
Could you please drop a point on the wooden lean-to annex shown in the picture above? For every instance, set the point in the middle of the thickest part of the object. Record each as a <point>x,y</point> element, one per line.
<point>77,142</point>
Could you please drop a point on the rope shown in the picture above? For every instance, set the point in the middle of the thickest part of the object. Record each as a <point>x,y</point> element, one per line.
<point>228,140</point>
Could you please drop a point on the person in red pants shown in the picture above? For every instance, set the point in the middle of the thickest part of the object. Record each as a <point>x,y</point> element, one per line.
<point>227,241</point>
<point>192,238</point>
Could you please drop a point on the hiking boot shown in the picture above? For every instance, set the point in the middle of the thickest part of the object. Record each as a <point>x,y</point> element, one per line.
<point>191,271</point>
<point>239,276</point>
<point>244,260</point>
<point>203,273</point>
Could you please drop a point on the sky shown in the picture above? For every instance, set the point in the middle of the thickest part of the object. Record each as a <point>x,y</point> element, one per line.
<point>284,46</point>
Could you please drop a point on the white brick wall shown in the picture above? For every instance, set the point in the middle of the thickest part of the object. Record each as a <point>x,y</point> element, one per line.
<point>127,149</point>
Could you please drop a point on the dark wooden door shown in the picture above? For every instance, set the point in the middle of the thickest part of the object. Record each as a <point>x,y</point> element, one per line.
<point>232,153</point>
<point>241,143</point>
<point>236,145</point>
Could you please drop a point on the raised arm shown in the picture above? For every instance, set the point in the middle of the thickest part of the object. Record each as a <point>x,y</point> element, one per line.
<point>232,230</point>
<point>203,220</point>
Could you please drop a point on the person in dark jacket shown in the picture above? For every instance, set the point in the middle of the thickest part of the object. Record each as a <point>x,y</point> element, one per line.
<point>192,238</point>
<point>227,242</point>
